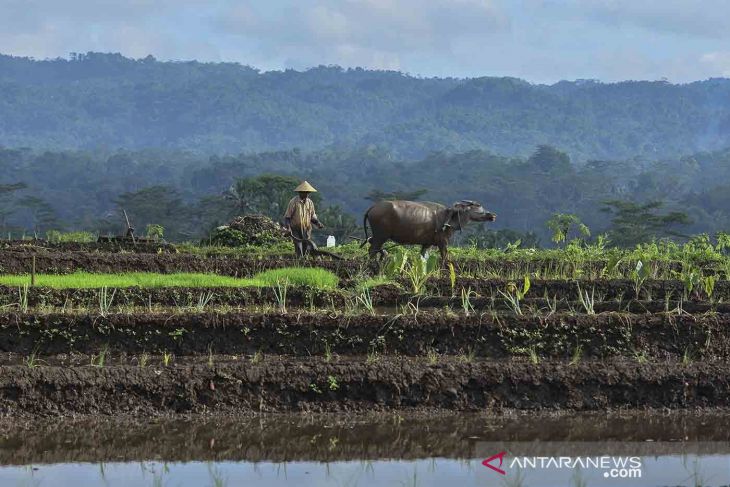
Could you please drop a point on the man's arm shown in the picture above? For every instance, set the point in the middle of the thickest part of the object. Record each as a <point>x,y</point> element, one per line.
<point>315,220</point>
<point>288,214</point>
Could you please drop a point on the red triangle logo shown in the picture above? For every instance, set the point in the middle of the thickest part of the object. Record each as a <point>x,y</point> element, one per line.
<point>488,462</point>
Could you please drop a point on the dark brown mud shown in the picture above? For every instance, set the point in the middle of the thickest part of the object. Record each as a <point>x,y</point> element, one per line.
<point>328,438</point>
<point>37,245</point>
<point>658,337</point>
<point>386,384</point>
<point>548,296</point>
<point>52,262</point>
<point>183,298</point>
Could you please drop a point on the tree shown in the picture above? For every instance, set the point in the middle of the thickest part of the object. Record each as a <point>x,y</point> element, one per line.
<point>560,224</point>
<point>158,205</point>
<point>7,204</point>
<point>634,223</point>
<point>550,159</point>
<point>42,216</point>
<point>268,194</point>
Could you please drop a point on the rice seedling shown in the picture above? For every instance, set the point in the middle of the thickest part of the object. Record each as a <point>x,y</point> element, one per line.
<point>210,357</point>
<point>372,357</point>
<point>686,357</point>
<point>532,355</point>
<point>412,307</point>
<point>100,359</point>
<point>280,291</point>
<point>297,276</point>
<point>143,359</point>
<point>203,300</point>
<point>257,357</point>
<point>366,300</point>
<point>468,356</point>
<point>327,352</point>
<point>639,275</point>
<point>23,298</point>
<point>167,358</point>
<point>466,295</point>
<point>640,356</point>
<point>313,277</point>
<point>105,300</point>
<point>552,305</point>
<point>32,360</point>
<point>577,354</point>
<point>587,300</point>
<point>514,295</point>
<point>432,356</point>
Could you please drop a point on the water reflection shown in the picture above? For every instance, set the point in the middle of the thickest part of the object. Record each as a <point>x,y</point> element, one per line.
<point>383,450</point>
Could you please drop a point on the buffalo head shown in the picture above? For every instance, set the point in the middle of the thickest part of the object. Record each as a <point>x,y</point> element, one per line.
<point>472,211</point>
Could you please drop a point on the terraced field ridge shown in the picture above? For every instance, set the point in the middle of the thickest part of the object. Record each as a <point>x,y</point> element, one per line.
<point>243,334</point>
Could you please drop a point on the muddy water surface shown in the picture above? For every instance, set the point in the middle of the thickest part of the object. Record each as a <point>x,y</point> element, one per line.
<point>383,450</point>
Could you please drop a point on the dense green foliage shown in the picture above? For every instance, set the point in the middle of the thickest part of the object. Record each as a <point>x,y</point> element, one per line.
<point>106,100</point>
<point>584,157</point>
<point>190,195</point>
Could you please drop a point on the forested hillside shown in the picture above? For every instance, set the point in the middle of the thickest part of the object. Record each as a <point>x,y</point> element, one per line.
<point>105,101</point>
<point>189,194</point>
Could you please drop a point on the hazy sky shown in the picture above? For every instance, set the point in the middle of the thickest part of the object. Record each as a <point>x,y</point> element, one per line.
<point>539,40</point>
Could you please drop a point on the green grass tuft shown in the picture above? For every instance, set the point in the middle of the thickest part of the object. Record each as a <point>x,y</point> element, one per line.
<point>297,276</point>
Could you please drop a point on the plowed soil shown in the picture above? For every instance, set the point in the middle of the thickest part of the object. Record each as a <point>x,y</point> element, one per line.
<point>388,384</point>
<point>660,337</point>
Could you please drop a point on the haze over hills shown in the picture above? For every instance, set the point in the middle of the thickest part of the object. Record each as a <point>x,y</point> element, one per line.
<point>94,101</point>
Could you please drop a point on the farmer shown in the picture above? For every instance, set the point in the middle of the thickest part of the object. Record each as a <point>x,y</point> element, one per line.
<point>299,217</point>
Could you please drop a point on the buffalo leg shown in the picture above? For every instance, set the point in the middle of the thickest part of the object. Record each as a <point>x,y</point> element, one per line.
<point>376,247</point>
<point>443,249</point>
<point>424,250</point>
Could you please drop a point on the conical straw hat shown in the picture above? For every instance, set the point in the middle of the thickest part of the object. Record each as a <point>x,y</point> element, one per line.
<point>305,187</point>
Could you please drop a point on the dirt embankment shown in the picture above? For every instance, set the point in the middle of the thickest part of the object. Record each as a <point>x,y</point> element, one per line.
<point>67,258</point>
<point>568,337</point>
<point>549,295</point>
<point>52,262</point>
<point>183,298</point>
<point>33,246</point>
<point>388,384</point>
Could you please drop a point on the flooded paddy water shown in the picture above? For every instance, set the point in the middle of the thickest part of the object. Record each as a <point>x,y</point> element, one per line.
<point>389,449</point>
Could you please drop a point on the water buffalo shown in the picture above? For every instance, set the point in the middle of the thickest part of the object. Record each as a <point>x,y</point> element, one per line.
<point>419,223</point>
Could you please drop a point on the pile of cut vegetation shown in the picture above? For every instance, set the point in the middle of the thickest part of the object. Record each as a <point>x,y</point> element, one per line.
<point>249,230</point>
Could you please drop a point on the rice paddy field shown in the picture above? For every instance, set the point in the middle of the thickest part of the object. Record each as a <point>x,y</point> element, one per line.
<point>561,339</point>
<point>276,334</point>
